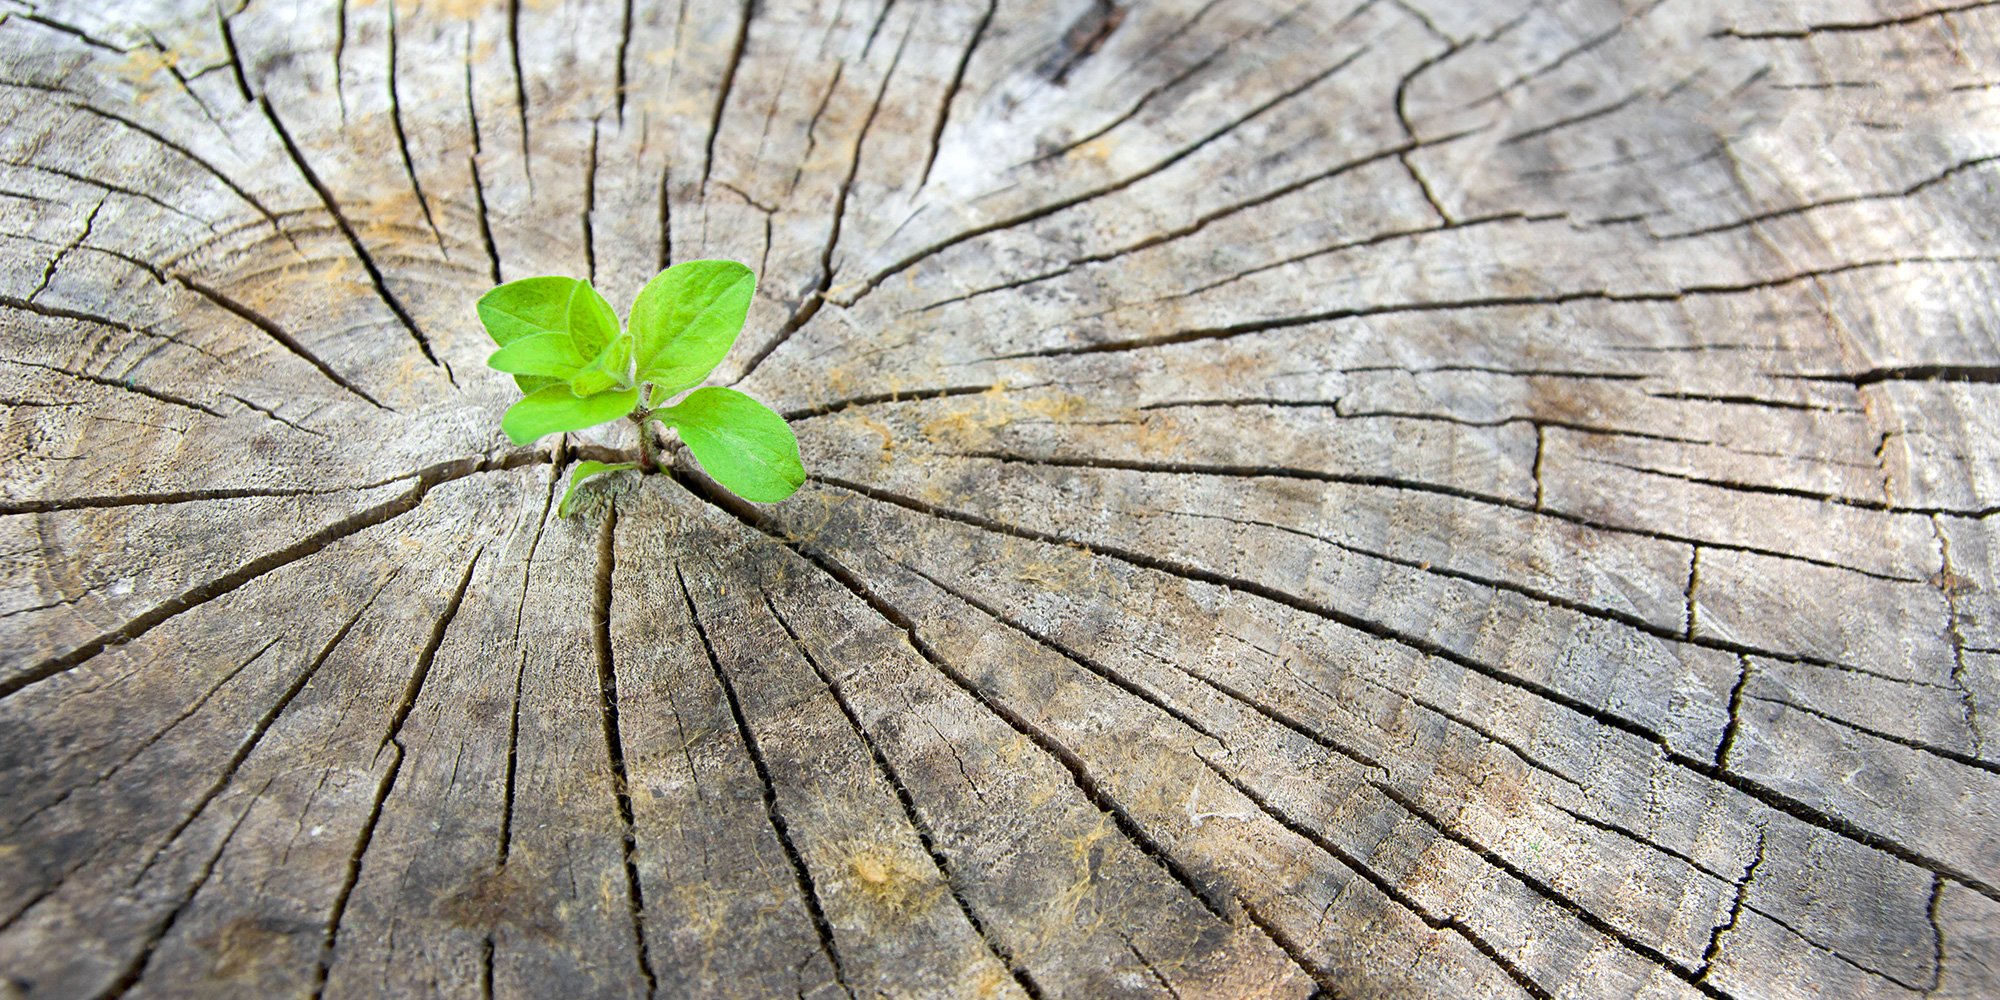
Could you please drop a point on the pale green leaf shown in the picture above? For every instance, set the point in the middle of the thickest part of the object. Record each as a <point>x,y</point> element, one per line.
<point>611,367</point>
<point>685,320</point>
<point>740,443</point>
<point>591,322</point>
<point>525,308</point>
<point>551,354</point>
<point>555,408</point>
<point>583,471</point>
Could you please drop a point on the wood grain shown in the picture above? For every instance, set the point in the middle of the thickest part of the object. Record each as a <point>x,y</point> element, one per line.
<point>1312,498</point>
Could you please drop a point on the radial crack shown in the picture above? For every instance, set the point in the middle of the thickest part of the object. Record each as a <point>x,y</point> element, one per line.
<point>808,892</point>
<point>391,740</point>
<point>353,239</point>
<point>614,741</point>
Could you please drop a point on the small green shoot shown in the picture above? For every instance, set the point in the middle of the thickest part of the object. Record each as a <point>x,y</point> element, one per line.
<point>576,368</point>
<point>584,472</point>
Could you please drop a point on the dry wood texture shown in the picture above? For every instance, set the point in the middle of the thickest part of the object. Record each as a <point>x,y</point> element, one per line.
<point>1408,498</point>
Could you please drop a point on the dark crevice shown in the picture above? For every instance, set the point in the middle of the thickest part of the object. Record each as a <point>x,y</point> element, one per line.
<point>951,91</point>
<point>1535,594</point>
<point>235,57</point>
<point>1548,892</point>
<point>618,86</point>
<point>270,562</point>
<point>1721,930</point>
<point>485,218</point>
<point>1136,690</point>
<point>1387,888</point>
<point>1084,37</point>
<point>1748,786</point>
<point>20,820</point>
<point>1080,776</point>
<point>1553,299</point>
<point>1840,27</point>
<point>1204,221</point>
<point>1297,954</point>
<point>64,27</point>
<point>875,281</point>
<point>808,892</point>
<point>1953,587</point>
<point>1781,213</point>
<point>1636,838</point>
<point>590,206</point>
<point>1729,729</point>
<point>262,726</point>
<point>1113,677</point>
<point>871,399</point>
<point>1146,58</point>
<point>271,329</point>
<point>1937,935</point>
<point>1150,968</point>
<point>1737,399</point>
<point>102,185</point>
<point>736,51</point>
<point>1524,754</point>
<point>1585,47</point>
<point>903,795</point>
<point>339,49</point>
<point>1835,954</point>
<point>1765,489</point>
<point>190,156</point>
<point>520,87</point>
<point>225,493</point>
<point>1921,746</point>
<point>1576,119</point>
<point>353,239</point>
<point>402,138</point>
<point>273,415</point>
<point>813,129</point>
<point>614,742</point>
<point>1401,105</point>
<point>136,970</point>
<point>1438,489</point>
<point>1985,374</point>
<point>817,296</point>
<point>391,740</point>
<point>876,28</point>
<point>125,384</point>
<point>56,259</point>
<point>1376,239</point>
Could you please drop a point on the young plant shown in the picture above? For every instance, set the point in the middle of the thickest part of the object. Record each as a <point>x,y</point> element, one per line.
<point>577,368</point>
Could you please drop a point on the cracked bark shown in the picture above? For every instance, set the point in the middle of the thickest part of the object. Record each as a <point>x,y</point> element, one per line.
<point>1324,498</point>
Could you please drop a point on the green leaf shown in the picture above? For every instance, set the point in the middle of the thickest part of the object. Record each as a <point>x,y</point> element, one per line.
<point>583,471</point>
<point>592,324</point>
<point>685,320</point>
<point>551,354</point>
<point>740,443</point>
<point>525,308</point>
<point>550,304</point>
<point>554,408</point>
<point>612,366</point>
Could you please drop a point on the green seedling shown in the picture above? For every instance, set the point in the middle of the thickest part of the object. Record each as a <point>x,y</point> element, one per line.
<point>577,368</point>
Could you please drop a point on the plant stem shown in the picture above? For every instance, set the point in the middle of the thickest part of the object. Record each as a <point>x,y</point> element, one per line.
<point>649,459</point>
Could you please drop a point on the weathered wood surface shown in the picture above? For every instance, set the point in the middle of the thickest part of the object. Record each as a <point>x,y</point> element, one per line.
<point>1421,498</point>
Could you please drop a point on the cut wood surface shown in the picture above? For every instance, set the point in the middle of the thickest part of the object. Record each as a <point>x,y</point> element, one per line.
<point>1402,498</point>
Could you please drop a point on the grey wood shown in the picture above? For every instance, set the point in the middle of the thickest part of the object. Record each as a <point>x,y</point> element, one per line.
<point>1344,498</point>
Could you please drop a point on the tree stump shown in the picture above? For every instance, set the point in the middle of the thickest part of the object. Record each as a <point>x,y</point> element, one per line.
<point>1401,499</point>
